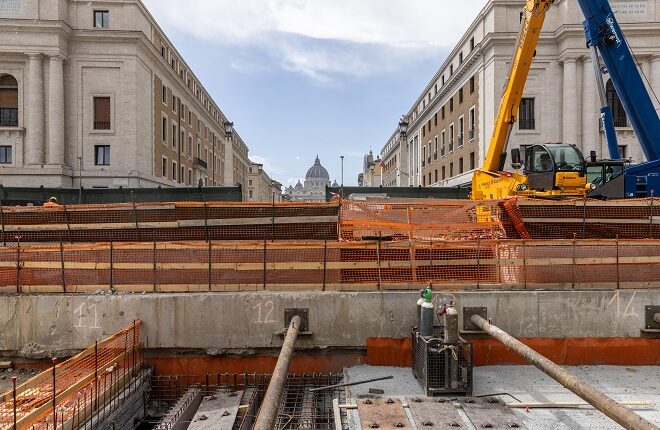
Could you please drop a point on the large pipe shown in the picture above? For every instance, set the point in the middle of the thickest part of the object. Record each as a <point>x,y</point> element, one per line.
<point>622,415</point>
<point>268,411</point>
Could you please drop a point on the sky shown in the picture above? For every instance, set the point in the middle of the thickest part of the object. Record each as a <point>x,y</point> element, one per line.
<point>305,77</point>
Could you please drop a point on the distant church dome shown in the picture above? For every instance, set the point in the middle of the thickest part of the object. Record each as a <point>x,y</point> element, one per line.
<point>335,184</point>
<point>299,186</point>
<point>317,171</point>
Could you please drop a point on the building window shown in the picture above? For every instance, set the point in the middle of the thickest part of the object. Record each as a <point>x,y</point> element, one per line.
<point>443,79</point>
<point>189,118</point>
<point>472,85</point>
<point>190,146</point>
<point>8,101</point>
<point>435,119</point>
<point>622,152</point>
<point>174,170</point>
<point>250,194</point>
<point>436,175</point>
<point>461,124</point>
<point>101,19</point>
<point>173,103</point>
<point>190,177</point>
<point>423,155</point>
<point>460,57</point>
<point>164,130</point>
<point>164,95</point>
<point>471,127</point>
<point>435,148</point>
<point>164,167</point>
<point>6,155</point>
<point>460,96</point>
<point>472,44</point>
<point>451,138</point>
<point>102,155</point>
<point>443,144</point>
<point>526,114</point>
<point>460,165</point>
<point>443,112</point>
<point>102,113</point>
<point>451,104</point>
<point>471,160</point>
<point>443,173</point>
<point>451,170</point>
<point>174,135</point>
<point>451,69</point>
<point>618,113</point>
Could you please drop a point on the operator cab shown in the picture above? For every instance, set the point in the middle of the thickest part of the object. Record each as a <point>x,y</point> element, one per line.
<point>545,165</point>
<point>606,178</point>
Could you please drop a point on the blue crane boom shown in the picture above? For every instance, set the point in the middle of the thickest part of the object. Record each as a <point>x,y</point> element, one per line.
<point>604,34</point>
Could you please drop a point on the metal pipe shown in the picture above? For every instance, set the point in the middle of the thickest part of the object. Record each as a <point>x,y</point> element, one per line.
<point>620,414</point>
<point>268,411</point>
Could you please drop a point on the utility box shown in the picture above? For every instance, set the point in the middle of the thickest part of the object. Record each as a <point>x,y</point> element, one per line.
<point>442,368</point>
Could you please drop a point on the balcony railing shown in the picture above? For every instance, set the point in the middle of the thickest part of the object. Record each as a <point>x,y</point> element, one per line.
<point>460,141</point>
<point>435,155</point>
<point>471,133</point>
<point>198,162</point>
<point>8,117</point>
<point>621,121</point>
<point>451,146</point>
<point>101,125</point>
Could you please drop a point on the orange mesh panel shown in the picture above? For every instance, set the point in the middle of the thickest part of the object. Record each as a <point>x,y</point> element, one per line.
<point>78,387</point>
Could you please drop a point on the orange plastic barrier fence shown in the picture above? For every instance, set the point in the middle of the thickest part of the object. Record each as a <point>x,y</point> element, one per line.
<point>73,390</point>
<point>345,266</point>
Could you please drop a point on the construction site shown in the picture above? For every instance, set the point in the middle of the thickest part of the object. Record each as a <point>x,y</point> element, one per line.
<point>531,303</point>
<point>187,315</point>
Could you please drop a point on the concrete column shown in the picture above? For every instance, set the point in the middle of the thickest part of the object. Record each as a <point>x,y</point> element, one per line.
<point>570,102</point>
<point>56,111</point>
<point>654,78</point>
<point>590,110</point>
<point>34,112</point>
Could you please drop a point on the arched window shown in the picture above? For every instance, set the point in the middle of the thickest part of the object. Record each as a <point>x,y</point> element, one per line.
<point>8,101</point>
<point>618,113</point>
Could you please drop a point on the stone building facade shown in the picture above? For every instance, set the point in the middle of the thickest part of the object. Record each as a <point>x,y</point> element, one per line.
<point>93,94</point>
<point>560,101</point>
<point>261,188</point>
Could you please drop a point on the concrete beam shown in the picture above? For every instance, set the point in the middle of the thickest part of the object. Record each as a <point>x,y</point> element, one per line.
<point>216,323</point>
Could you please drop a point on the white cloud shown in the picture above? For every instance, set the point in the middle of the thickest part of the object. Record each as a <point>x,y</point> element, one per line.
<point>322,39</point>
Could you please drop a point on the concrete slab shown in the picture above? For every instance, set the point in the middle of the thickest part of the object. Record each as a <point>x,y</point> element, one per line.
<point>528,384</point>
<point>217,412</point>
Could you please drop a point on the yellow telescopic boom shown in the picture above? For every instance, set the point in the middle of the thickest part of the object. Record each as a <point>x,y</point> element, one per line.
<point>533,17</point>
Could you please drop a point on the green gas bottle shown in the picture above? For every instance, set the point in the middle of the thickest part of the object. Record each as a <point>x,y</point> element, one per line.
<point>426,317</point>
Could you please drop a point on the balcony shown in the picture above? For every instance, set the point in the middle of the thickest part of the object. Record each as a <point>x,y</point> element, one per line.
<point>198,162</point>
<point>8,117</point>
<point>621,121</point>
<point>101,125</point>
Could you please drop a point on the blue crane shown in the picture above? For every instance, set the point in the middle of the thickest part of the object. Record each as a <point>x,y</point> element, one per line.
<point>615,178</point>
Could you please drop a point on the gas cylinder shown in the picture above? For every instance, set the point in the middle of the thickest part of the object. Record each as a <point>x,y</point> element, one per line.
<point>420,302</point>
<point>426,315</point>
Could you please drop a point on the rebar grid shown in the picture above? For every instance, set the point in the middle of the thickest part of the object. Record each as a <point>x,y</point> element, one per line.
<point>299,408</point>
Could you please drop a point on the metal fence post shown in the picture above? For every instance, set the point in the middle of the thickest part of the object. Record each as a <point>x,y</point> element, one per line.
<point>111,262</point>
<point>13,382</point>
<point>524,249</point>
<point>478,262</point>
<point>18,264</point>
<point>209,258</point>
<point>62,263</point>
<point>135,215</point>
<point>380,237</point>
<point>574,266</point>
<point>54,396</point>
<point>155,272</point>
<point>265,241</point>
<point>2,223</point>
<point>325,260</point>
<point>206,221</point>
<point>68,223</point>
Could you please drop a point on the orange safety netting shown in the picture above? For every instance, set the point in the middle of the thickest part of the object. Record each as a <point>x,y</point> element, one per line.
<point>82,384</point>
<point>345,266</point>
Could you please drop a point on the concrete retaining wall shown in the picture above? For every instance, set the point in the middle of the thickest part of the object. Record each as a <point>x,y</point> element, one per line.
<point>216,323</point>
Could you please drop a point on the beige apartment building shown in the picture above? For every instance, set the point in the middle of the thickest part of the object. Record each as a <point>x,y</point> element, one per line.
<point>260,187</point>
<point>93,94</point>
<point>442,146</point>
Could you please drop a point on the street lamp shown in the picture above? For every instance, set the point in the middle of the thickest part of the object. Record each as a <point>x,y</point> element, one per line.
<point>403,126</point>
<point>342,170</point>
<point>229,155</point>
<point>229,129</point>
